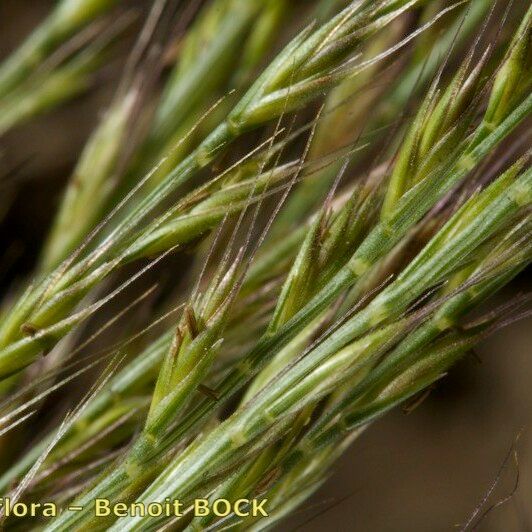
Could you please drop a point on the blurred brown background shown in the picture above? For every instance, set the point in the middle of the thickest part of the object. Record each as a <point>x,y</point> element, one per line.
<point>426,471</point>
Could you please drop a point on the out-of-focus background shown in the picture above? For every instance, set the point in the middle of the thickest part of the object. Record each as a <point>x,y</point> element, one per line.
<point>425,471</point>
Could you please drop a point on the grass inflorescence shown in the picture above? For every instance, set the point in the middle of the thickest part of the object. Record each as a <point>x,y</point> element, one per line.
<point>350,184</point>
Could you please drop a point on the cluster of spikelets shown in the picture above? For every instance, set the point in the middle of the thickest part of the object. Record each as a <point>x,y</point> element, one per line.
<point>341,254</point>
